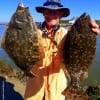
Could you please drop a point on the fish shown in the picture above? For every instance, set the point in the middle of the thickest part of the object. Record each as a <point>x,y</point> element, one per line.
<point>21,40</point>
<point>78,52</point>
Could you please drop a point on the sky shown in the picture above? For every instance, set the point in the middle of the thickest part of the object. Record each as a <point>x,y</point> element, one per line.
<point>77,7</point>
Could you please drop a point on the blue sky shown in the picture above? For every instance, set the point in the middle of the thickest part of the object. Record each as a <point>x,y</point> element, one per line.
<point>77,7</point>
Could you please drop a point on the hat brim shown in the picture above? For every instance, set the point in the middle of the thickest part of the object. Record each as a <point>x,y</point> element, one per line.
<point>62,9</point>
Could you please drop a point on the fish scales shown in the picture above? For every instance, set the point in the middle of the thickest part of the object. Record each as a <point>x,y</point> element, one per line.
<point>78,52</point>
<point>21,41</point>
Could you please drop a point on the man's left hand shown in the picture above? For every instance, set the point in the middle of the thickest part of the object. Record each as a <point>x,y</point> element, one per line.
<point>95,27</point>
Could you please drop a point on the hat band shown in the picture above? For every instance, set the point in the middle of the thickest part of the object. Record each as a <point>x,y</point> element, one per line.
<point>52,4</point>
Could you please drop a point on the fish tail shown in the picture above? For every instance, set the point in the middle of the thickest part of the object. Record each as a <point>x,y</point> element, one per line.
<point>75,94</point>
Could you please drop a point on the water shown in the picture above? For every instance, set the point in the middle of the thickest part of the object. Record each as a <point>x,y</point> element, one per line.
<point>2,27</point>
<point>94,71</point>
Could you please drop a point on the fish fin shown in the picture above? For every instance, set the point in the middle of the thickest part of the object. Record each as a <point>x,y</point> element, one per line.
<point>75,94</point>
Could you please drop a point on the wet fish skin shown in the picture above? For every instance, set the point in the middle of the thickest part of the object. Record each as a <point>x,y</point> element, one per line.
<point>21,41</point>
<point>78,53</point>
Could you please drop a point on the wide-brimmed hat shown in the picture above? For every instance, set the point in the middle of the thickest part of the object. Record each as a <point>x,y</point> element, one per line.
<point>53,5</point>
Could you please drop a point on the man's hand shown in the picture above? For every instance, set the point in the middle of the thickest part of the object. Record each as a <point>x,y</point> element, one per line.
<point>95,27</point>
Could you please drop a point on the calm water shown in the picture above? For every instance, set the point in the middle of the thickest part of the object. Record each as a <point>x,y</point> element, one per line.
<point>94,72</point>
<point>2,27</point>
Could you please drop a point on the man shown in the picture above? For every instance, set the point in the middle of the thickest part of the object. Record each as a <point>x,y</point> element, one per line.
<point>50,80</point>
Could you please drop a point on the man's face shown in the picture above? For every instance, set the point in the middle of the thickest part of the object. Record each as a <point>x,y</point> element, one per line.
<point>52,17</point>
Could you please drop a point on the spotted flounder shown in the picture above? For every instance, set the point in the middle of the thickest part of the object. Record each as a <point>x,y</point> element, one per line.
<point>21,42</point>
<point>78,52</point>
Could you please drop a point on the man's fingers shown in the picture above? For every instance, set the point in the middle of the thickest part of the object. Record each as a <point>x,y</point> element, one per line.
<point>95,30</point>
<point>94,24</point>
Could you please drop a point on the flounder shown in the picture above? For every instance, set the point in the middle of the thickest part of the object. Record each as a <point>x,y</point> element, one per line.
<point>21,40</point>
<point>78,52</point>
